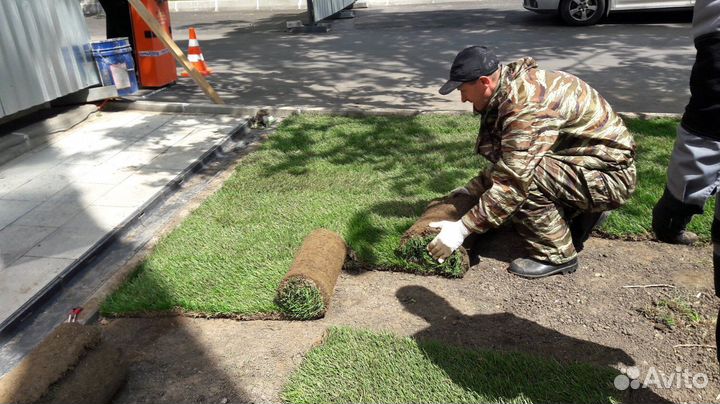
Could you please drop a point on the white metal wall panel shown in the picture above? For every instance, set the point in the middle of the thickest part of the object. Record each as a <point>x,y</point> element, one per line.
<point>44,52</point>
<point>322,9</point>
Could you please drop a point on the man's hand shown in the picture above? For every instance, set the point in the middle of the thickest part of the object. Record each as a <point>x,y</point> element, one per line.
<point>452,235</point>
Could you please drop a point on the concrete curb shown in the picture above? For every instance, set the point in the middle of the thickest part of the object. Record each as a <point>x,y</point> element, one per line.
<point>646,116</point>
<point>359,111</point>
<point>282,112</point>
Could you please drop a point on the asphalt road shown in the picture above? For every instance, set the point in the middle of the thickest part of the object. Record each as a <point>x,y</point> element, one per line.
<point>397,57</point>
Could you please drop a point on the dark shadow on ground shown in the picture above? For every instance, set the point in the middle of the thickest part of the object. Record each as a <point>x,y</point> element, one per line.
<point>503,244</point>
<point>154,377</point>
<point>681,16</point>
<point>505,332</point>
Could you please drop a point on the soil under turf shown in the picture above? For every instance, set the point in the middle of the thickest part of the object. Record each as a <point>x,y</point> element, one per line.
<point>588,316</point>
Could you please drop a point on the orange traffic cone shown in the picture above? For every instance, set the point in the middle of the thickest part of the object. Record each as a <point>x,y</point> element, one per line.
<point>195,55</point>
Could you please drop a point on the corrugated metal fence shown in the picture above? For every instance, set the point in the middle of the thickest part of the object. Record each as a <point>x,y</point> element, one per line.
<point>44,52</point>
<point>322,9</point>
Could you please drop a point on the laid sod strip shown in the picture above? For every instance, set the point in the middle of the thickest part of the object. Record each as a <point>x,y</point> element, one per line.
<point>306,290</point>
<point>413,244</point>
<point>357,366</point>
<point>367,179</point>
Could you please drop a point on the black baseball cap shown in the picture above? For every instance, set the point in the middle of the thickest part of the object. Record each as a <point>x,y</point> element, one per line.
<point>470,64</point>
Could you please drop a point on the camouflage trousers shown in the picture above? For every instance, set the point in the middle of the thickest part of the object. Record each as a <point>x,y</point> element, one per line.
<point>561,191</point>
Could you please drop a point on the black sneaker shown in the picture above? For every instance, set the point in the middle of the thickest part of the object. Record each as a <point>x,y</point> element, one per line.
<point>530,268</point>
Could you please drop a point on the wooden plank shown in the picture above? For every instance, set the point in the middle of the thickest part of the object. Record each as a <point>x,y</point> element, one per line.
<point>175,50</point>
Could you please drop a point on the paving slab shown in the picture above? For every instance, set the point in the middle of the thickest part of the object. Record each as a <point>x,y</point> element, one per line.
<point>67,242</point>
<point>24,279</point>
<point>18,239</point>
<point>11,210</point>
<point>106,218</point>
<point>49,214</point>
<point>62,200</point>
<point>41,187</point>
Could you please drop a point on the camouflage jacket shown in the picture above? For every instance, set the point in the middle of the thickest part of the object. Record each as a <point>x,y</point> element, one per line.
<point>535,114</point>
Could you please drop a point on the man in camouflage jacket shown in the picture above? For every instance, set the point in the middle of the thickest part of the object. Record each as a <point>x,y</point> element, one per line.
<point>560,158</point>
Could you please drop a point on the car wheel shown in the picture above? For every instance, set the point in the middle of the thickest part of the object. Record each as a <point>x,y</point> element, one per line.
<point>582,12</point>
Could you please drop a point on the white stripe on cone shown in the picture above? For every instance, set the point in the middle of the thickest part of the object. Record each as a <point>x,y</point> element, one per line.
<point>194,58</point>
<point>193,42</point>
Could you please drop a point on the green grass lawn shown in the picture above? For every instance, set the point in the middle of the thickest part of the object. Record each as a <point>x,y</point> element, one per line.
<point>354,366</point>
<point>367,179</point>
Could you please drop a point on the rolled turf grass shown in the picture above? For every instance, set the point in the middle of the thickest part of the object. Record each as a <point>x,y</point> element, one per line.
<point>60,351</point>
<point>306,290</point>
<point>96,379</point>
<point>413,244</point>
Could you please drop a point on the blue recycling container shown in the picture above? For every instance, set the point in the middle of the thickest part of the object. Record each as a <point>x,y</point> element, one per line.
<point>114,61</point>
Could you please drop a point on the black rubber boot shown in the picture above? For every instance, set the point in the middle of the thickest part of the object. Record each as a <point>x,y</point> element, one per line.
<point>671,217</point>
<point>582,226</point>
<point>530,268</point>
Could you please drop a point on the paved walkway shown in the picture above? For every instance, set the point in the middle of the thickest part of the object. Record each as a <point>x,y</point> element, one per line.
<point>58,202</point>
<point>398,57</point>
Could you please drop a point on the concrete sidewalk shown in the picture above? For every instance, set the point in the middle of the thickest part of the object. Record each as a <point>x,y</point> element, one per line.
<point>59,202</point>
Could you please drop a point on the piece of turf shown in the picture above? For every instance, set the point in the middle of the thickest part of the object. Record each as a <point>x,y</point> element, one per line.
<point>361,366</point>
<point>414,251</point>
<point>300,299</point>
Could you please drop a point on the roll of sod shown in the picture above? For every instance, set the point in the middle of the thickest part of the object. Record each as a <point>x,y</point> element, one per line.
<point>306,290</point>
<point>47,363</point>
<point>413,244</point>
<point>95,380</point>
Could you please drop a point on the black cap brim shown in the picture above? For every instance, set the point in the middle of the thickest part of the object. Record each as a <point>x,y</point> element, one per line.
<point>449,87</point>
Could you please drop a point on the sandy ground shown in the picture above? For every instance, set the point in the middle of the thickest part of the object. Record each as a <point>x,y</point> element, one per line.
<point>587,316</point>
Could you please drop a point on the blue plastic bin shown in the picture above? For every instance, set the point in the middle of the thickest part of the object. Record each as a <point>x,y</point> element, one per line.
<point>114,61</point>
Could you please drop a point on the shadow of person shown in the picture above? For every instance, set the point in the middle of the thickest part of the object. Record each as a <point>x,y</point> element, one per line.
<point>509,339</point>
<point>503,244</point>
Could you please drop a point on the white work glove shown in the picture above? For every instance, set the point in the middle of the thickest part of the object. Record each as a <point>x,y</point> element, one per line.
<point>459,190</point>
<point>451,237</point>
